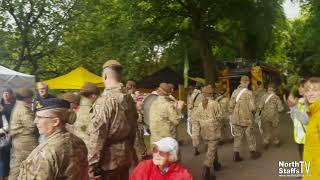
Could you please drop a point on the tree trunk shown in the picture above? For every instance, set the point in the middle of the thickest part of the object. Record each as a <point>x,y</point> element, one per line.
<point>208,61</point>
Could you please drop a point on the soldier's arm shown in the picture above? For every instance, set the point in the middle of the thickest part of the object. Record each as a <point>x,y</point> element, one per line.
<point>218,112</point>
<point>98,131</point>
<point>15,123</point>
<point>279,104</point>
<point>232,102</point>
<point>174,115</point>
<point>252,105</point>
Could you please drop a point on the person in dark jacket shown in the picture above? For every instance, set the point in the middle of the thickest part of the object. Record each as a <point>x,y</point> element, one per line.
<point>7,103</point>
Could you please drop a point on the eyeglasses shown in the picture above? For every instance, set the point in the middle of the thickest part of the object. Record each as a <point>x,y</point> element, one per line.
<point>155,150</point>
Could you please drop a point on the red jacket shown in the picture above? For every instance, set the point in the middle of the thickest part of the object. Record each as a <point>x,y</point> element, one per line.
<point>146,170</point>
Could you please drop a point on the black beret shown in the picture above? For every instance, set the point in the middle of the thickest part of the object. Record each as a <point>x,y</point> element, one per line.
<point>52,103</point>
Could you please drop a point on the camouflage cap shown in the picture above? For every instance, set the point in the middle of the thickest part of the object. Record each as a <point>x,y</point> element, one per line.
<point>89,88</point>
<point>110,63</point>
<point>245,78</point>
<point>70,97</point>
<point>207,90</point>
<point>24,92</point>
<point>165,88</point>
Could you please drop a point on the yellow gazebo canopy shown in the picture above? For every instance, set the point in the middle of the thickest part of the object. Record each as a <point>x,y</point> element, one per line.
<point>74,79</point>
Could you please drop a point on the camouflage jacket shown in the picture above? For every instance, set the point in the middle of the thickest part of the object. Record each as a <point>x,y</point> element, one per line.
<point>206,123</point>
<point>80,126</point>
<point>62,156</point>
<point>224,103</point>
<point>21,122</point>
<point>243,110</point>
<point>164,119</point>
<point>258,94</point>
<point>194,100</point>
<point>270,110</point>
<point>112,130</point>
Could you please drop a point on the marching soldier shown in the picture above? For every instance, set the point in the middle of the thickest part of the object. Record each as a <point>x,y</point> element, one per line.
<point>193,102</point>
<point>271,107</point>
<point>112,129</point>
<point>165,115</point>
<point>206,124</point>
<point>242,106</point>
<point>224,100</point>
<point>259,92</point>
<point>62,155</point>
<point>23,131</point>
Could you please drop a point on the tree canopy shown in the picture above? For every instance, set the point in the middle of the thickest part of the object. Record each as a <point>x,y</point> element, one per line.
<point>48,38</point>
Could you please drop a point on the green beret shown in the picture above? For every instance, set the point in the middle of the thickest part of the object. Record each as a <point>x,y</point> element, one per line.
<point>52,103</point>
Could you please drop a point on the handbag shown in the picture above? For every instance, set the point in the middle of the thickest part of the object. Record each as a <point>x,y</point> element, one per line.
<point>5,138</point>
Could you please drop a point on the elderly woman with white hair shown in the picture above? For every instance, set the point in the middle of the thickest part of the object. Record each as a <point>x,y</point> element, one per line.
<point>164,165</point>
<point>62,155</point>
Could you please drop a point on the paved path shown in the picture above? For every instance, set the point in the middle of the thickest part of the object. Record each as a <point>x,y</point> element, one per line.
<point>265,168</point>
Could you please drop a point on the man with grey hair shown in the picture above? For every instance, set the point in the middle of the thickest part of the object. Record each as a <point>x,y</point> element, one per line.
<point>112,128</point>
<point>164,163</point>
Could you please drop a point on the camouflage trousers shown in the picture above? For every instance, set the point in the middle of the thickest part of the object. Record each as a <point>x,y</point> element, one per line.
<point>239,133</point>
<point>226,130</point>
<point>270,133</point>
<point>211,152</point>
<point>21,148</point>
<point>139,146</point>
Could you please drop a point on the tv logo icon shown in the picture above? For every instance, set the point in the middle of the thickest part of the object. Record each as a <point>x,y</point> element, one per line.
<point>294,168</point>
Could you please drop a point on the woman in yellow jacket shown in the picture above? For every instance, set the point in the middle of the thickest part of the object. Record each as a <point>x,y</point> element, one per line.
<point>312,146</point>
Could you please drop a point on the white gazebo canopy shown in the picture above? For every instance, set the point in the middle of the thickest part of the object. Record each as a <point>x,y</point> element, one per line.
<point>13,79</point>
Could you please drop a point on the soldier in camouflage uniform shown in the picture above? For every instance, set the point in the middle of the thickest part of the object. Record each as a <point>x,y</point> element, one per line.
<point>165,115</point>
<point>22,131</point>
<point>89,94</point>
<point>259,92</point>
<point>242,106</point>
<point>224,100</point>
<point>206,124</point>
<point>139,145</point>
<point>271,107</point>
<point>193,102</point>
<point>112,129</point>
<point>62,155</point>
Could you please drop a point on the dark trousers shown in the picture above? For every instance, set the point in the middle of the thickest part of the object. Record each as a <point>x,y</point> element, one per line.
<point>300,148</point>
<point>117,174</point>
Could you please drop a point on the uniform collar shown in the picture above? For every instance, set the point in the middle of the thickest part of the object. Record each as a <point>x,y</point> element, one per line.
<point>58,131</point>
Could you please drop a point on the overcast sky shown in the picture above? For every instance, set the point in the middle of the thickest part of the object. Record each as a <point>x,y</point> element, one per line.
<point>291,10</point>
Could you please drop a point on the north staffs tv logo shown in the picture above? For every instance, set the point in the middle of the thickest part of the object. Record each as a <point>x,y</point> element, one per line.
<point>294,168</point>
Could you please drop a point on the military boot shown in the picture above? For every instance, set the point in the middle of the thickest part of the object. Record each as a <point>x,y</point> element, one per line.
<point>196,151</point>
<point>208,173</point>
<point>255,155</point>
<point>236,157</point>
<point>216,164</point>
